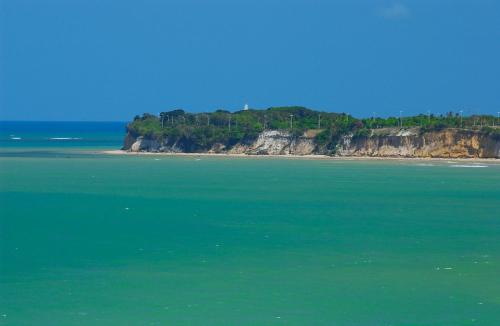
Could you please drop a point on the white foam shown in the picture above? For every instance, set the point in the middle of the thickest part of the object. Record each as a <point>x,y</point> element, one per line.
<point>15,138</point>
<point>65,138</point>
<point>468,166</point>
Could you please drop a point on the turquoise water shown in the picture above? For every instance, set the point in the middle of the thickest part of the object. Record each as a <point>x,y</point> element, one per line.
<point>89,239</point>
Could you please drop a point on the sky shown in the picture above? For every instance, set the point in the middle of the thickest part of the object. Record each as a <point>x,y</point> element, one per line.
<point>108,60</point>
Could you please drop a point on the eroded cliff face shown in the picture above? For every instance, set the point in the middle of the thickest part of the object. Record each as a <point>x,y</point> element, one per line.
<point>271,142</point>
<point>448,143</point>
<point>276,142</point>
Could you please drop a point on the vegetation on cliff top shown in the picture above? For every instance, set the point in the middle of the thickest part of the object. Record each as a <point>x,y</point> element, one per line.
<point>199,131</point>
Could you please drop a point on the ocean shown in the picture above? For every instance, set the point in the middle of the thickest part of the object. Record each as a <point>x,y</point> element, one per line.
<point>94,239</point>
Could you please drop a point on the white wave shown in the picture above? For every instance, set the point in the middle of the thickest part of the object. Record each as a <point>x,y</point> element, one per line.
<point>65,138</point>
<point>15,138</point>
<point>446,268</point>
<point>468,166</point>
<point>425,164</point>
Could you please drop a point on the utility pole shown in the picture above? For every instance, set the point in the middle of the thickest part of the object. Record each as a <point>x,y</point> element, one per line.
<point>291,121</point>
<point>461,118</point>
<point>230,122</point>
<point>162,116</point>
<point>319,121</point>
<point>400,119</point>
<point>208,120</point>
<point>429,116</point>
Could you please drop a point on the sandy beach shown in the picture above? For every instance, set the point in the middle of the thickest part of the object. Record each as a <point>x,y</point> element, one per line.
<point>310,157</point>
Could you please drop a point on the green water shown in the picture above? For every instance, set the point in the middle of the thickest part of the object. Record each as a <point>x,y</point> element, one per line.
<point>107,240</point>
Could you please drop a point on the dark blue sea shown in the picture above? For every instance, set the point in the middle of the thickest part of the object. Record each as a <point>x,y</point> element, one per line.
<point>48,136</point>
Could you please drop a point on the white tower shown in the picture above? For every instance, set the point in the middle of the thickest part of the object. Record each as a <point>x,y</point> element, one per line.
<point>246,107</point>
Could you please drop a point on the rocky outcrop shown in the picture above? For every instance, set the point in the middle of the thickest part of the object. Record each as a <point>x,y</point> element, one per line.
<point>447,143</point>
<point>129,140</point>
<point>142,144</point>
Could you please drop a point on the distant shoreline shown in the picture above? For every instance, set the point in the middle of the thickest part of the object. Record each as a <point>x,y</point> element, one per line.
<point>310,157</point>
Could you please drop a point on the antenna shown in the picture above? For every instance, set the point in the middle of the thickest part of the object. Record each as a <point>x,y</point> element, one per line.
<point>429,116</point>
<point>461,118</point>
<point>208,119</point>
<point>229,121</point>
<point>319,121</point>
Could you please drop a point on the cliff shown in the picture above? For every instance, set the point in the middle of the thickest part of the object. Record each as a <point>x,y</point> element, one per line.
<point>447,143</point>
<point>271,142</point>
<point>387,142</point>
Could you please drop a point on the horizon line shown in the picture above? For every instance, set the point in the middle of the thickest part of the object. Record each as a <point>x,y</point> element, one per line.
<point>103,121</point>
<point>365,117</point>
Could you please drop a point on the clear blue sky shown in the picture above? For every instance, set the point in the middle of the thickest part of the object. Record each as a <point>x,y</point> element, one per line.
<point>110,59</point>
